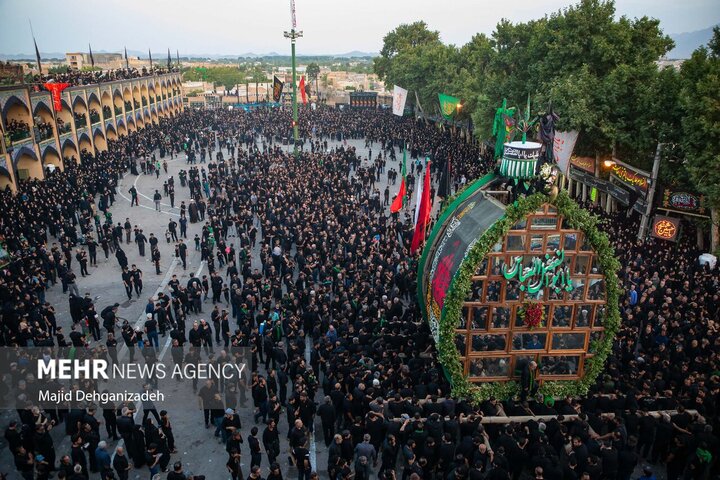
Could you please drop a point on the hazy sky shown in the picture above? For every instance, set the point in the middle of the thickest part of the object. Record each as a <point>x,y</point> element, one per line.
<point>240,26</point>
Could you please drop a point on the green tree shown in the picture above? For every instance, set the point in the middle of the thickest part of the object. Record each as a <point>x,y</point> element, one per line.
<point>596,70</point>
<point>225,76</point>
<point>57,69</point>
<point>404,39</point>
<point>701,135</point>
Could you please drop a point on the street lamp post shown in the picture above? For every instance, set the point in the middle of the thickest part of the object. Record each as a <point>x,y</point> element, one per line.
<point>645,222</point>
<point>293,35</point>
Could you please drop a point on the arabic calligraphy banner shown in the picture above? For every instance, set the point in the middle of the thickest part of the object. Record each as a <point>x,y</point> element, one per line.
<point>584,163</point>
<point>683,201</point>
<point>666,228</point>
<point>552,271</point>
<point>636,180</point>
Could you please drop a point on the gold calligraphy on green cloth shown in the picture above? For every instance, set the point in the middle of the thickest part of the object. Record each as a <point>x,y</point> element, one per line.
<point>550,272</point>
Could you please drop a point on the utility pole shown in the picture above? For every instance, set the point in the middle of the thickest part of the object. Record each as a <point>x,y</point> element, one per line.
<point>651,193</point>
<point>293,35</point>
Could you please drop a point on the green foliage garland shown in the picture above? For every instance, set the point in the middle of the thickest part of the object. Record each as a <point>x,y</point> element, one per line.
<point>577,218</point>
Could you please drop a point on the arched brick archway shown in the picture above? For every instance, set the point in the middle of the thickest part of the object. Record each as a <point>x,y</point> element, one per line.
<point>16,118</point>
<point>94,109</point>
<point>51,157</point>
<point>99,140</point>
<point>111,133</point>
<point>85,143</point>
<point>27,164</point>
<point>44,120</point>
<point>70,151</point>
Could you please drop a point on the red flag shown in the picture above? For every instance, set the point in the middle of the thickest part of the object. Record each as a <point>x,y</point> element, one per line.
<point>302,89</point>
<point>398,202</point>
<point>424,214</point>
<point>56,88</point>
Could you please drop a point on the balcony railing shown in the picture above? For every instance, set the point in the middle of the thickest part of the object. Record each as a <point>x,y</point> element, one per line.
<point>19,135</point>
<point>44,134</point>
<point>63,128</point>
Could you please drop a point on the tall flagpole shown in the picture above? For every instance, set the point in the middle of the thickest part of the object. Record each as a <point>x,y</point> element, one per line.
<point>37,52</point>
<point>293,35</point>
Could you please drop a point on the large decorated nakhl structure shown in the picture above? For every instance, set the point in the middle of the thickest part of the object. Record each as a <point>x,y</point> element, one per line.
<point>503,282</point>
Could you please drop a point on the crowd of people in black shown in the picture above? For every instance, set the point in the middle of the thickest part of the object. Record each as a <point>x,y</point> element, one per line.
<point>91,77</point>
<point>17,129</point>
<point>337,280</point>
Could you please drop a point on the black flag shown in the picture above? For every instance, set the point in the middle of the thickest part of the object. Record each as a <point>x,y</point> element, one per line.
<point>169,60</point>
<point>127,63</point>
<point>150,57</point>
<point>37,56</point>
<point>277,89</point>
<point>444,187</point>
<point>92,60</point>
<point>177,56</point>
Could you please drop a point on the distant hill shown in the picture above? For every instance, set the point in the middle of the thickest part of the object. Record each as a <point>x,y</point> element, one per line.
<point>163,55</point>
<point>31,56</point>
<point>356,53</point>
<point>686,43</point>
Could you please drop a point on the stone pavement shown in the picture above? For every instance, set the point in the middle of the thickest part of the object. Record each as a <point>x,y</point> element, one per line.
<point>198,449</point>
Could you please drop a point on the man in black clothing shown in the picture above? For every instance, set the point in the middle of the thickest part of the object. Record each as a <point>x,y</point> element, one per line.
<point>109,316</point>
<point>177,473</point>
<point>77,454</point>
<point>182,253</point>
<point>130,338</point>
<point>141,240</point>
<point>133,196</point>
<point>13,436</point>
<point>528,384</point>
<point>327,414</point>
<point>92,250</point>
<point>254,444</point>
<point>157,197</point>
<point>205,395</point>
<point>302,460</point>
<point>137,280</point>
<point>121,464</point>
<point>172,228</point>
<point>233,465</point>
<point>156,260</point>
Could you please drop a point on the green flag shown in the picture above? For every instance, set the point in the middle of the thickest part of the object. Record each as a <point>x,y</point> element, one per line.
<point>448,105</point>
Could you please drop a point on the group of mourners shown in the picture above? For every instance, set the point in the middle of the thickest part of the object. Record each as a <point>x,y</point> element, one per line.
<point>310,272</point>
<point>90,77</point>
